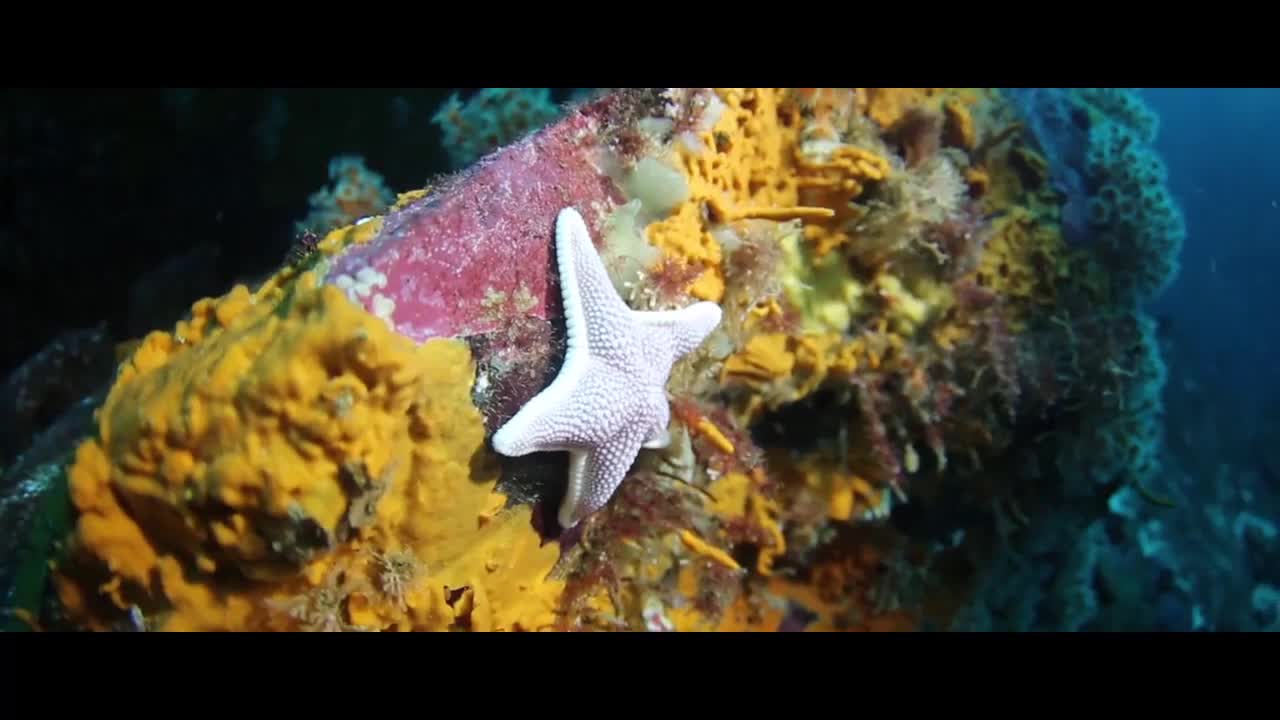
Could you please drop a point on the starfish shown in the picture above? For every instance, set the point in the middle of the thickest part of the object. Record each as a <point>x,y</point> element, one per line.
<point>609,399</point>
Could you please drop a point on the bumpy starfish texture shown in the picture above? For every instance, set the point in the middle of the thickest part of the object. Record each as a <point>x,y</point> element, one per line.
<point>609,399</point>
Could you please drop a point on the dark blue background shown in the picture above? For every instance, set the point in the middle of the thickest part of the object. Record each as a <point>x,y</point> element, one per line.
<point>1222,311</point>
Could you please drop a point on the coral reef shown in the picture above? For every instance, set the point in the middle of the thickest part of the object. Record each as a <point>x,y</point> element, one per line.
<point>490,119</point>
<point>889,415</point>
<point>1099,144</point>
<point>357,192</point>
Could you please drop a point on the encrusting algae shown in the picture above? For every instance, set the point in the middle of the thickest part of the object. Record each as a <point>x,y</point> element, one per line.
<point>285,459</point>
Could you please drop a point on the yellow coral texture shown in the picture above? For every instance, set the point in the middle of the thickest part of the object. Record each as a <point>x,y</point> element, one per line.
<point>288,462</point>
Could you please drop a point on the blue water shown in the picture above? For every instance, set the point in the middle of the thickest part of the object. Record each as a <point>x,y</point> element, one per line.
<point>1222,329</point>
<point>1221,147</point>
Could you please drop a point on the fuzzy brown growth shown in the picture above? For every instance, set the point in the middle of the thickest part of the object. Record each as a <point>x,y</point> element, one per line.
<point>753,268</point>
<point>671,279</point>
<point>1002,353</point>
<point>397,571</point>
<point>972,297</point>
<point>745,457</point>
<point>648,506</point>
<point>919,133</point>
<point>629,145</point>
<point>620,113</point>
<point>323,608</point>
<point>869,401</point>
<point>686,109</point>
<point>745,531</point>
<point>303,249</point>
<point>513,363</point>
<point>961,238</point>
<point>718,587</point>
<point>365,492</point>
<point>594,572</point>
<point>644,508</point>
<point>789,322</point>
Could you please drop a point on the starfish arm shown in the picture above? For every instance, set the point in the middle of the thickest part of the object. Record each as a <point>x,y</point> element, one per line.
<point>537,427</point>
<point>687,326</point>
<point>594,474</point>
<point>657,415</point>
<point>595,316</point>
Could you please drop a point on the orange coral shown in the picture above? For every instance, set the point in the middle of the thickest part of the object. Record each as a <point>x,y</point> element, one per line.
<point>979,181</point>
<point>886,106</point>
<point>839,594</point>
<point>1023,260</point>
<point>960,130</point>
<point>741,161</point>
<point>834,178</point>
<point>829,110</point>
<point>284,438</point>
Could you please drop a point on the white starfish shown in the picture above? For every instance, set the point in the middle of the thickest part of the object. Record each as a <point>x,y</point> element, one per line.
<point>609,399</point>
